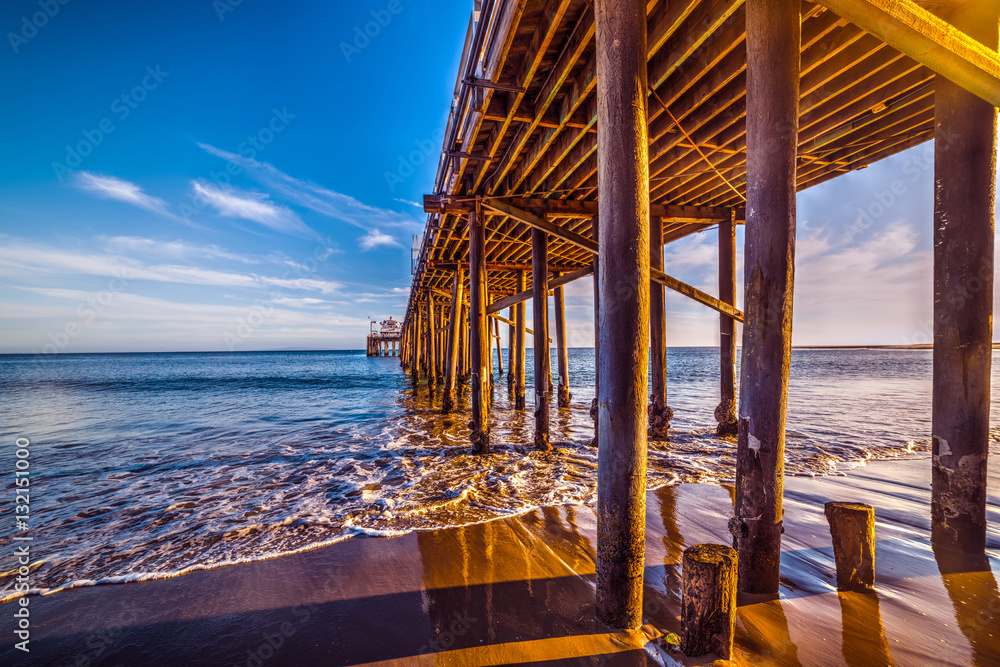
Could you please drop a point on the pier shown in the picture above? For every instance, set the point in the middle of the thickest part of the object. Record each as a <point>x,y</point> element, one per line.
<point>659,120</point>
<point>387,341</point>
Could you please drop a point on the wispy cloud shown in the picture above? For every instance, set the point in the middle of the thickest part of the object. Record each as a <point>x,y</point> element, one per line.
<point>110,187</point>
<point>171,249</point>
<point>255,206</point>
<point>375,238</point>
<point>316,198</point>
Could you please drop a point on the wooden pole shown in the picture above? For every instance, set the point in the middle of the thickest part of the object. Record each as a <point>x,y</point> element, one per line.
<point>594,412</point>
<point>659,414</point>
<point>499,350</point>
<point>852,527</point>
<point>415,367</point>
<point>964,172</point>
<point>512,316</point>
<point>708,600</point>
<point>540,312</point>
<point>432,377</point>
<point>773,38</point>
<point>463,355</point>
<point>451,377</point>
<point>623,184</point>
<point>725,413</point>
<point>479,333</point>
<point>562,349</point>
<point>519,346</point>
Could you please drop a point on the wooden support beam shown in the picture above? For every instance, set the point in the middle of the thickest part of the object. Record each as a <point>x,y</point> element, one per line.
<point>929,40</point>
<point>511,336</point>
<point>520,281</point>
<point>535,222</point>
<point>623,174</point>
<point>417,332</point>
<point>725,413</point>
<point>658,413</point>
<point>964,208</point>
<point>773,48</point>
<point>432,324</point>
<point>499,353</point>
<point>527,330</point>
<point>571,208</point>
<point>479,336</point>
<point>562,350</point>
<point>523,295</point>
<point>451,376</point>
<point>595,225</point>
<point>540,312</point>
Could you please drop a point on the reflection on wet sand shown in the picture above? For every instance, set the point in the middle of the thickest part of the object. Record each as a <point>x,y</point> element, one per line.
<point>763,629</point>
<point>975,598</point>
<point>864,643</point>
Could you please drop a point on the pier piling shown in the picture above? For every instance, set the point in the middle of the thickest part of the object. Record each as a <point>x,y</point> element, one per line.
<point>540,313</point>
<point>773,34</point>
<point>659,414</point>
<point>725,413</point>
<point>708,600</point>
<point>431,343</point>
<point>852,528</point>
<point>623,184</point>
<point>562,350</point>
<point>964,174</point>
<point>451,376</point>
<point>519,342</point>
<point>479,341</point>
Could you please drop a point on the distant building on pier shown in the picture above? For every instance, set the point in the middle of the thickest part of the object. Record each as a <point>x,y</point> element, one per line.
<point>385,341</point>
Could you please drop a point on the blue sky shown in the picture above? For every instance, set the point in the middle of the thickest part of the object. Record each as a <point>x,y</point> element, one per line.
<point>199,175</point>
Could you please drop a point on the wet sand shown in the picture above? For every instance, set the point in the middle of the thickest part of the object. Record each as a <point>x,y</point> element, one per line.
<point>521,589</point>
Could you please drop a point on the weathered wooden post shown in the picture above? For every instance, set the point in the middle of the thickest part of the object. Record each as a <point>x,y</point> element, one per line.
<point>659,413</point>
<point>519,342</point>
<point>852,527</point>
<point>562,349</point>
<point>451,376</point>
<point>623,184</point>
<point>510,348</point>
<point>725,413</point>
<point>595,263</point>
<point>965,141</point>
<point>463,357</point>
<point>708,600</point>
<point>431,343</point>
<point>499,349</point>
<point>415,366</point>
<point>540,313</point>
<point>479,333</point>
<point>773,39</point>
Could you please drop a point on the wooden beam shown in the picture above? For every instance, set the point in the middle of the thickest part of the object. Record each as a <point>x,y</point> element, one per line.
<point>540,313</point>
<point>524,295</point>
<point>929,40</point>
<point>479,337</point>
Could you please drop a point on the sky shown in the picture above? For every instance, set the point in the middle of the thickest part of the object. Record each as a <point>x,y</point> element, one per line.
<point>245,175</point>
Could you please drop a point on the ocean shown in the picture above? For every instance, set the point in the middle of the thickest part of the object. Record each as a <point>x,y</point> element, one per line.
<point>147,466</point>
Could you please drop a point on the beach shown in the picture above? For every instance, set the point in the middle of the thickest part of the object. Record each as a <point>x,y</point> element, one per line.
<point>520,589</point>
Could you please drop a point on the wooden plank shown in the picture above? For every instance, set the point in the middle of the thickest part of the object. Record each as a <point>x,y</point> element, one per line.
<point>929,40</point>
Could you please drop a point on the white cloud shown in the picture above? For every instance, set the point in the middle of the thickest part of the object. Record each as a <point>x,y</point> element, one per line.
<point>316,198</point>
<point>115,188</point>
<point>254,206</point>
<point>173,249</point>
<point>375,238</point>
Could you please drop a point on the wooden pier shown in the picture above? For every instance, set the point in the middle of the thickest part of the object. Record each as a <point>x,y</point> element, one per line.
<point>387,341</point>
<point>661,119</point>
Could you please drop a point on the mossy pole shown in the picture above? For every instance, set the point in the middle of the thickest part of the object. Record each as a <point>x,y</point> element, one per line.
<point>623,186</point>
<point>540,313</point>
<point>562,349</point>
<point>725,413</point>
<point>964,171</point>
<point>773,30</point>
<point>659,413</point>
<point>479,333</point>
<point>451,376</point>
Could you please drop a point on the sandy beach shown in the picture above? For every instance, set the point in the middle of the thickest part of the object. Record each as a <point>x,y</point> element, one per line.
<point>521,589</point>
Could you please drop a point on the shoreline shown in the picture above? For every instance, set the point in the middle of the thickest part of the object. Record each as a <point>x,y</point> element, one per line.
<point>520,588</point>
